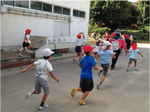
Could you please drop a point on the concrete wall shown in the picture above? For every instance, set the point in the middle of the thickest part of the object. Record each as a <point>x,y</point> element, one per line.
<point>14,26</point>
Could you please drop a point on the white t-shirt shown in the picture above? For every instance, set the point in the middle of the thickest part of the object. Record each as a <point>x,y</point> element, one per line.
<point>79,41</point>
<point>43,67</point>
<point>28,38</point>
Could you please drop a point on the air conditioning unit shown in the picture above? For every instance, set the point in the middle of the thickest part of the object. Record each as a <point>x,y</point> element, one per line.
<point>3,9</point>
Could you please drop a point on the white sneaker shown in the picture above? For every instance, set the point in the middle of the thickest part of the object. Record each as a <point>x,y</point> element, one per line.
<point>135,69</point>
<point>43,107</point>
<point>98,86</point>
<point>29,94</point>
<point>20,55</point>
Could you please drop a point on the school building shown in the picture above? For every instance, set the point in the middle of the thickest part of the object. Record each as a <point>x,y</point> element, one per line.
<point>58,21</point>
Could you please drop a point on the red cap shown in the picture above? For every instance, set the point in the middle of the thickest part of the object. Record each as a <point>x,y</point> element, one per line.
<point>113,34</point>
<point>28,31</point>
<point>79,36</point>
<point>134,46</point>
<point>127,36</point>
<point>87,48</point>
<point>107,36</point>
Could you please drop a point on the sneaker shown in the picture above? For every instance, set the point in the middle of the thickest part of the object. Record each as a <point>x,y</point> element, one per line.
<point>98,86</point>
<point>99,72</point>
<point>43,107</point>
<point>112,69</point>
<point>29,94</point>
<point>20,55</point>
<point>135,69</point>
<point>74,59</point>
<point>127,69</point>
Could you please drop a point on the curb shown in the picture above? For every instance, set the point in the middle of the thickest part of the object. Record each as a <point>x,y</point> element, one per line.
<point>25,62</point>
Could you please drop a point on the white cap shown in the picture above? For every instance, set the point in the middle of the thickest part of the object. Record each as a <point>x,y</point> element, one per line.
<point>105,44</point>
<point>47,52</point>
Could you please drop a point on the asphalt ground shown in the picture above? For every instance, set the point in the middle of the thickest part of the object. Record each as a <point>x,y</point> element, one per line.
<point>121,91</point>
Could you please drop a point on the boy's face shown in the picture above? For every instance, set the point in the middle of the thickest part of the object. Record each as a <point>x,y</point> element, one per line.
<point>108,47</point>
<point>50,57</point>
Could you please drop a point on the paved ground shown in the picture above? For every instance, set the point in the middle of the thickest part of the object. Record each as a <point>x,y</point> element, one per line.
<point>121,91</point>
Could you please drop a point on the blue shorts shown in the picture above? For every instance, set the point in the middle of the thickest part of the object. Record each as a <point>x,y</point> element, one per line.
<point>41,83</point>
<point>78,49</point>
<point>86,84</point>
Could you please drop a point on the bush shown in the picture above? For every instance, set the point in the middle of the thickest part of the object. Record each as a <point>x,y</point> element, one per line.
<point>101,30</point>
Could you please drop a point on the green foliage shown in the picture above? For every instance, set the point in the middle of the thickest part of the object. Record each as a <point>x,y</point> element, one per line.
<point>101,30</point>
<point>114,13</point>
<point>87,43</point>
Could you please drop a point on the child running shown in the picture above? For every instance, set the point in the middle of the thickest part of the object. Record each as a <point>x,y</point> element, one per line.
<point>97,48</point>
<point>43,68</point>
<point>133,52</point>
<point>105,58</point>
<point>86,77</point>
<point>78,46</point>
<point>27,43</point>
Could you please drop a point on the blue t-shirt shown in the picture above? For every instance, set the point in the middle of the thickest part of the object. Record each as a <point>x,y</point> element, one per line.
<point>105,56</point>
<point>87,63</point>
<point>133,53</point>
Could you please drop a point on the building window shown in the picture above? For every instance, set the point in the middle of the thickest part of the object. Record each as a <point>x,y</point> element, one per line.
<point>36,5</point>
<point>47,7</point>
<point>58,9</point>
<point>81,14</point>
<point>24,4</point>
<point>66,11</point>
<point>8,3</point>
<point>75,13</point>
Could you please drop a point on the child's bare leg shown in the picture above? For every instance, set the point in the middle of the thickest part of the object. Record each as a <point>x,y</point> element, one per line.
<point>81,102</point>
<point>102,79</point>
<point>85,95</point>
<point>79,89</point>
<point>134,64</point>
<point>128,65</point>
<point>44,99</point>
<point>23,50</point>
<point>80,56</point>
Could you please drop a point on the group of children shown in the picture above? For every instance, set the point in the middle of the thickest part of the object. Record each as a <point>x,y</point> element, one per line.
<point>103,50</point>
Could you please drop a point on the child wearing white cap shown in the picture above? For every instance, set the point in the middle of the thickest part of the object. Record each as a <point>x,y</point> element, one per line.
<point>105,54</point>
<point>43,68</point>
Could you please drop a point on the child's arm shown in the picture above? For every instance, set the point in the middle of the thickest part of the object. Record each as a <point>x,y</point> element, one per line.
<point>96,67</point>
<point>113,56</point>
<point>140,54</point>
<point>83,35</point>
<point>53,76</point>
<point>80,65</point>
<point>97,56</point>
<point>28,67</point>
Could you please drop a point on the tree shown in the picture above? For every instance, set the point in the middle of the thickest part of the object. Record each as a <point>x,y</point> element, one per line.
<point>114,14</point>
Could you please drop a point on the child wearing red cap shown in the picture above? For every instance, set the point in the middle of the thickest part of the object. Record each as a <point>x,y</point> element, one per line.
<point>27,43</point>
<point>78,46</point>
<point>133,52</point>
<point>86,77</point>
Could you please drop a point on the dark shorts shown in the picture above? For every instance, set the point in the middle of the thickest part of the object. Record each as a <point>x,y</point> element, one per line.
<point>105,66</point>
<point>86,84</point>
<point>130,60</point>
<point>95,52</point>
<point>78,49</point>
<point>25,44</point>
